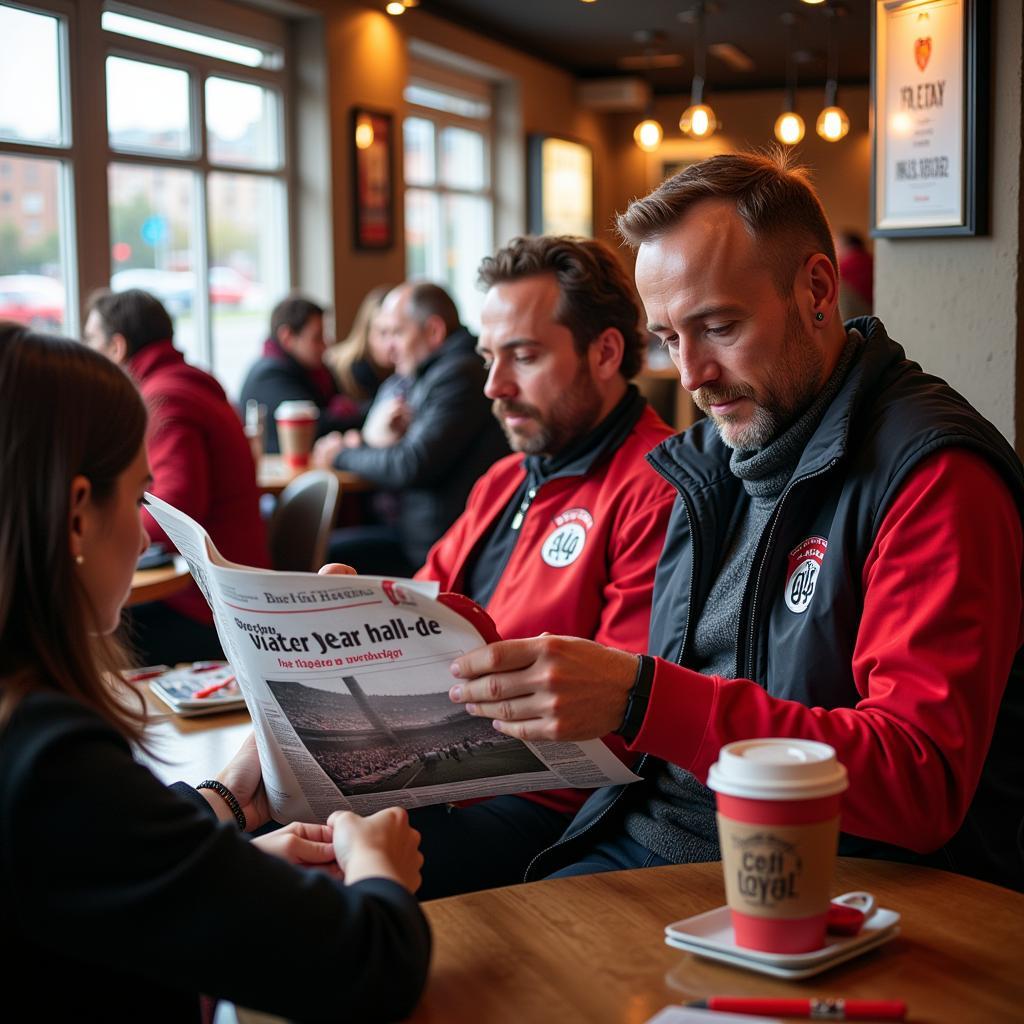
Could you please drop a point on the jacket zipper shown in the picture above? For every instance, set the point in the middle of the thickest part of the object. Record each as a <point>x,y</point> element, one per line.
<point>524,506</point>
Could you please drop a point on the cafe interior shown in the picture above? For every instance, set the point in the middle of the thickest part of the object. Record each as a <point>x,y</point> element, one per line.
<point>221,155</point>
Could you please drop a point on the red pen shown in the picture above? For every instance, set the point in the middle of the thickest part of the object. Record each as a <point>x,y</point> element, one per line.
<point>813,1009</point>
<point>207,690</point>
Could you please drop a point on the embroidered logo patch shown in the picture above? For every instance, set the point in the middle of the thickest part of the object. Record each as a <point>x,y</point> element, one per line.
<point>565,543</point>
<point>802,572</point>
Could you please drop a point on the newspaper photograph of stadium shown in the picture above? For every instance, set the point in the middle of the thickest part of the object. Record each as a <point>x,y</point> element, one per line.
<point>370,742</point>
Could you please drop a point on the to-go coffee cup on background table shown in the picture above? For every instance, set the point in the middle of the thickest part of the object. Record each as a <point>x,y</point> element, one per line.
<point>296,431</point>
<point>778,826</point>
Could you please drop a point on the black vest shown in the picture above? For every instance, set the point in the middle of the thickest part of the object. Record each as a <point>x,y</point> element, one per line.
<point>888,416</point>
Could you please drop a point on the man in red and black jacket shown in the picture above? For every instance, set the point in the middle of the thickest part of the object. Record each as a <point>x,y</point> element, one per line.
<point>563,536</point>
<point>843,563</point>
<point>200,460</point>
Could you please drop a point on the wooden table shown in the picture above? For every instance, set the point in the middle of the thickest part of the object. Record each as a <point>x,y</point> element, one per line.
<point>158,584</point>
<point>590,949</point>
<point>273,475</point>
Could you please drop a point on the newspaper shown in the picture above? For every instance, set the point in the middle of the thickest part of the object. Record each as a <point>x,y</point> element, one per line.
<point>346,679</point>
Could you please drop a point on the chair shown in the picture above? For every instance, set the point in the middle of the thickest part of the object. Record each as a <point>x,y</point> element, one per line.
<point>302,521</point>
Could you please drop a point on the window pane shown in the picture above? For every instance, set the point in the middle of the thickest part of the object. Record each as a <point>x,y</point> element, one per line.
<point>468,234</point>
<point>463,158</point>
<point>424,242</point>
<point>32,270</point>
<point>248,268</point>
<point>242,124</point>
<point>152,217</point>
<point>30,77</point>
<point>194,42</point>
<point>418,138</point>
<point>147,107</point>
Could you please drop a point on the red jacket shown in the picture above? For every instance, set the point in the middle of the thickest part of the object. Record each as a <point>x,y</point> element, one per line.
<point>200,460</point>
<point>620,510</point>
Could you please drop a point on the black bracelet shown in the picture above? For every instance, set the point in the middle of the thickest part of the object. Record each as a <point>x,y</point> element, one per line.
<point>639,698</point>
<point>228,797</point>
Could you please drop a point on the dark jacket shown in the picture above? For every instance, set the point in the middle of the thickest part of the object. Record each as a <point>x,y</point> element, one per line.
<point>888,416</point>
<point>278,377</point>
<point>123,899</point>
<point>452,439</point>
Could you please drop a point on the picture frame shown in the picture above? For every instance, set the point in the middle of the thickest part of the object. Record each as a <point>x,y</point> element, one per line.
<point>560,186</point>
<point>373,179</point>
<point>930,118</point>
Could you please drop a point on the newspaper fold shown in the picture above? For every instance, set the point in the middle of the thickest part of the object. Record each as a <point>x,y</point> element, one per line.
<point>346,679</point>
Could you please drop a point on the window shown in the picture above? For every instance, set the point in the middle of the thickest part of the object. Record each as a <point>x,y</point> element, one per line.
<point>197,188</point>
<point>36,238</point>
<point>449,202</point>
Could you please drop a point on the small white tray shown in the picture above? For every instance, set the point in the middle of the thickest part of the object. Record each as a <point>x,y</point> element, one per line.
<point>713,931</point>
<point>788,973</point>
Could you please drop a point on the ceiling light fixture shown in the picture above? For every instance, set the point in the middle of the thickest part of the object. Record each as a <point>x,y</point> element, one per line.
<point>832,124</point>
<point>648,133</point>
<point>395,8</point>
<point>698,120</point>
<point>789,125</point>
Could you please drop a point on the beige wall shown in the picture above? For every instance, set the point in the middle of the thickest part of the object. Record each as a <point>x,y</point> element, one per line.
<point>956,303</point>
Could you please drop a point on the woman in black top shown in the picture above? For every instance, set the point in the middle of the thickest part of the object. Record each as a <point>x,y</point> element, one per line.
<point>123,899</point>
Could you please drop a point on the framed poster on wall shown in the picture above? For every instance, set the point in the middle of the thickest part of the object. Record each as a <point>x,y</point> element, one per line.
<point>929,105</point>
<point>373,189</point>
<point>560,180</point>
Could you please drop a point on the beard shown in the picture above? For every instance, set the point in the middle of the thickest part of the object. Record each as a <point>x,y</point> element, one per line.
<point>574,415</point>
<point>789,388</point>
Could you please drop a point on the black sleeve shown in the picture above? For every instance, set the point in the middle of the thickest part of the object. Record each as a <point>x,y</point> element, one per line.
<point>119,871</point>
<point>447,423</point>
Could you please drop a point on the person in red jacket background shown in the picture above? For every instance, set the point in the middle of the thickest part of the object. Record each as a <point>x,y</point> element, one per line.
<point>563,536</point>
<point>200,459</point>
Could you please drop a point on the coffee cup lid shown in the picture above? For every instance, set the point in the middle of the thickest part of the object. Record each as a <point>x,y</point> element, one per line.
<point>296,410</point>
<point>777,769</point>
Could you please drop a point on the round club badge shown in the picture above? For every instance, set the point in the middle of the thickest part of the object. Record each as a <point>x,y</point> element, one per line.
<point>565,543</point>
<point>802,573</point>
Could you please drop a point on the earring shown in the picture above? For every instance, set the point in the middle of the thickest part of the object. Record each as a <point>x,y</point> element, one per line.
<point>819,316</point>
<point>79,559</point>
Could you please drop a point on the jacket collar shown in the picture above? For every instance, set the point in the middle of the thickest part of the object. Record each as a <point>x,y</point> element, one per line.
<point>459,341</point>
<point>698,458</point>
<point>151,358</point>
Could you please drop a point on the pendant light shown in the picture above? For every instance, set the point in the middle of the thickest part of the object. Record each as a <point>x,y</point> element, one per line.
<point>648,133</point>
<point>832,122</point>
<point>698,120</point>
<point>789,125</point>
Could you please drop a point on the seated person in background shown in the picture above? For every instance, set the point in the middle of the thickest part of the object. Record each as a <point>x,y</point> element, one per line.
<point>292,369</point>
<point>361,362</point>
<point>123,899</point>
<point>563,536</point>
<point>200,459</point>
<point>843,563</point>
<point>856,275</point>
<point>450,440</point>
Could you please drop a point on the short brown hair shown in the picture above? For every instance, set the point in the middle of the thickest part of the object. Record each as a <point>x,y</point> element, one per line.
<point>293,312</point>
<point>595,292</point>
<point>136,315</point>
<point>427,300</point>
<point>773,198</point>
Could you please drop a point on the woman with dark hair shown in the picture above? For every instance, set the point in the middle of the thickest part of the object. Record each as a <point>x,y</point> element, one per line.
<point>124,899</point>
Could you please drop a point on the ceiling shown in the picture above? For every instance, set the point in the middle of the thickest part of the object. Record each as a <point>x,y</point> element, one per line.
<point>593,39</point>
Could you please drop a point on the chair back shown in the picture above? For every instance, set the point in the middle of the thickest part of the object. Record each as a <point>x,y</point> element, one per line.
<point>302,521</point>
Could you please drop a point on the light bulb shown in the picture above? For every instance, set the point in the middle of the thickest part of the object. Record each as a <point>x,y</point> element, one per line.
<point>698,121</point>
<point>832,124</point>
<point>364,133</point>
<point>789,128</point>
<point>395,8</point>
<point>647,135</point>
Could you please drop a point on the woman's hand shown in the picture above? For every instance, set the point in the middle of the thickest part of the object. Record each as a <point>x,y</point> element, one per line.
<point>382,845</point>
<point>245,779</point>
<point>303,844</point>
